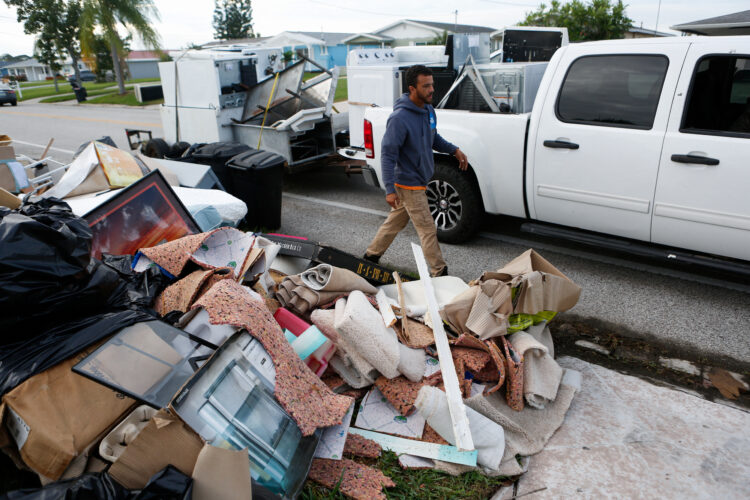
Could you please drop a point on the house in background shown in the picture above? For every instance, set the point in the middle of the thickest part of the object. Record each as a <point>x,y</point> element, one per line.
<point>641,32</point>
<point>325,48</point>
<point>35,71</point>
<point>143,64</point>
<point>727,25</point>
<point>32,69</point>
<point>414,32</point>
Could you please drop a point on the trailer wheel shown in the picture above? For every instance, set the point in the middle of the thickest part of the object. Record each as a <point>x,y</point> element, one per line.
<point>455,203</point>
<point>156,148</point>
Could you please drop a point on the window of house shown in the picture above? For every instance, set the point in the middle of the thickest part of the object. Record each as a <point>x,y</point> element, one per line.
<point>613,90</point>
<point>718,101</point>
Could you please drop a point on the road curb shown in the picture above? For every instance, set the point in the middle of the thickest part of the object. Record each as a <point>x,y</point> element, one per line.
<point>651,359</point>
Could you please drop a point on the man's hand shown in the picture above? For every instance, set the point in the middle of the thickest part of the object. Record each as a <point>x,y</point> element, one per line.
<point>393,200</point>
<point>463,162</point>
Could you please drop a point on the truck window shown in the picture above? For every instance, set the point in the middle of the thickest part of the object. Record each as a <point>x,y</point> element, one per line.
<point>612,90</point>
<point>718,101</point>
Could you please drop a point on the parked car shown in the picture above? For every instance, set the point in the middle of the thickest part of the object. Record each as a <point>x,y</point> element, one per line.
<point>638,139</point>
<point>86,76</point>
<point>8,95</point>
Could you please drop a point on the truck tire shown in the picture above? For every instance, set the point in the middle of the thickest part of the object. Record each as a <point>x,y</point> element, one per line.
<point>455,203</point>
<point>156,148</point>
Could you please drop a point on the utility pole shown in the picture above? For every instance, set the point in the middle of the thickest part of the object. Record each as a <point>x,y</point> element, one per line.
<point>658,11</point>
<point>455,20</point>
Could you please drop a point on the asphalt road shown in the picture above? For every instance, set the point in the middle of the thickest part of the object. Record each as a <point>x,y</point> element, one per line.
<point>694,313</point>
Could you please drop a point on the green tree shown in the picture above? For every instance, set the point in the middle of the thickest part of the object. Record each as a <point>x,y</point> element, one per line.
<point>107,15</point>
<point>440,39</point>
<point>47,53</point>
<point>233,19</point>
<point>595,20</point>
<point>57,26</point>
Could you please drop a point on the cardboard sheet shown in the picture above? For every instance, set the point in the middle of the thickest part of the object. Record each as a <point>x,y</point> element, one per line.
<point>333,440</point>
<point>165,440</point>
<point>221,474</point>
<point>55,415</point>
<point>377,414</point>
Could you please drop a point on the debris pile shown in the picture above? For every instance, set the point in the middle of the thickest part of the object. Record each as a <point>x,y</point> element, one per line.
<point>222,362</point>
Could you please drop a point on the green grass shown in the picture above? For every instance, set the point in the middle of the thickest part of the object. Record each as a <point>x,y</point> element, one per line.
<point>65,88</point>
<point>37,84</point>
<point>127,99</point>
<point>342,92</point>
<point>72,97</point>
<point>418,484</point>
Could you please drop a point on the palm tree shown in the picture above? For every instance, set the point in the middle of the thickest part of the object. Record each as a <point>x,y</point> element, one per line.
<point>107,16</point>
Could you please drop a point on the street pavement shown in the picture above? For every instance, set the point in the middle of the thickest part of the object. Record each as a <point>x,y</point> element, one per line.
<point>627,438</point>
<point>696,314</point>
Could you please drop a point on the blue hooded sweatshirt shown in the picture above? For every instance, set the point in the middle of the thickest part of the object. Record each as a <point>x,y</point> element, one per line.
<point>406,151</point>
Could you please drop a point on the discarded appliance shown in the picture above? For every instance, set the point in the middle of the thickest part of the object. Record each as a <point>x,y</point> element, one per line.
<point>280,114</point>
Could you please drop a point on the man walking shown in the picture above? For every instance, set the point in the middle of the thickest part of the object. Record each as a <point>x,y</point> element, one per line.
<point>407,165</point>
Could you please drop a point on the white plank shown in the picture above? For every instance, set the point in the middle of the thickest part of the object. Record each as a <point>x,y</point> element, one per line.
<point>385,309</point>
<point>461,429</point>
<point>443,452</point>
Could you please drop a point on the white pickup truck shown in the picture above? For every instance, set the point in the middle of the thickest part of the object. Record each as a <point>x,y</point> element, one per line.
<point>640,139</point>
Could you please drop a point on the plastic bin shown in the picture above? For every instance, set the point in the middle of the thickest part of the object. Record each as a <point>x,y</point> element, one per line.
<point>80,93</point>
<point>257,178</point>
<point>216,155</point>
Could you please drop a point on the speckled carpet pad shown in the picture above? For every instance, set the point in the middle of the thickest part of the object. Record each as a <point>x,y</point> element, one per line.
<point>180,296</point>
<point>361,446</point>
<point>357,481</point>
<point>299,391</point>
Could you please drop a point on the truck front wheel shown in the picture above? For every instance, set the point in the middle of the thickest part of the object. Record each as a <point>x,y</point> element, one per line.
<point>455,203</point>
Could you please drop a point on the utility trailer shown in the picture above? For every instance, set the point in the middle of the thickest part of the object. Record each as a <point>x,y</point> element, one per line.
<point>234,96</point>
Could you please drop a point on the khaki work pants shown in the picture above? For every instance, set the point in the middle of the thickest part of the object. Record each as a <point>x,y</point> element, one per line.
<point>413,205</point>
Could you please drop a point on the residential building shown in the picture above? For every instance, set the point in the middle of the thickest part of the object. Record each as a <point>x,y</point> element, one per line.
<point>327,49</point>
<point>414,32</point>
<point>35,71</point>
<point>143,64</point>
<point>737,23</point>
<point>641,32</point>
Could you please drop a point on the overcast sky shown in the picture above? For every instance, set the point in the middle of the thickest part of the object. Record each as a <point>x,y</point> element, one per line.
<point>181,24</point>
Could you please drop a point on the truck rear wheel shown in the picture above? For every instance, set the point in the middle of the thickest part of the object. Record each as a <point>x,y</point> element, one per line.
<point>455,203</point>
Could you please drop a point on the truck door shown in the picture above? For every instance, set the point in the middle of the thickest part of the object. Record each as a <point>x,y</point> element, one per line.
<point>701,198</point>
<point>599,139</point>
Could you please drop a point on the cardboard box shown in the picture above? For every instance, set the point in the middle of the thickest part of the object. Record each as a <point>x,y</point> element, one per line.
<point>6,148</point>
<point>56,415</point>
<point>552,291</point>
<point>165,440</point>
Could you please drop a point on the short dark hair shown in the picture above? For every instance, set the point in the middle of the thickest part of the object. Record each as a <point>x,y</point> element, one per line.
<point>413,72</point>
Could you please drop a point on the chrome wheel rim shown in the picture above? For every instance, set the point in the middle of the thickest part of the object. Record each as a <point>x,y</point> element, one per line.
<point>445,204</point>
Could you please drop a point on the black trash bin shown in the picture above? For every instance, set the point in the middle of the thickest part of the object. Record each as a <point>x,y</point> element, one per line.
<point>216,155</point>
<point>257,178</point>
<point>80,93</point>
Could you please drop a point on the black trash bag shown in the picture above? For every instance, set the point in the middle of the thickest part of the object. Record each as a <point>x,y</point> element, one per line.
<point>99,486</point>
<point>167,484</point>
<point>23,360</point>
<point>48,278</point>
<point>136,290</point>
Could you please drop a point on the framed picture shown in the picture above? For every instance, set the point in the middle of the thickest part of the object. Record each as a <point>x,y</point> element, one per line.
<point>144,214</point>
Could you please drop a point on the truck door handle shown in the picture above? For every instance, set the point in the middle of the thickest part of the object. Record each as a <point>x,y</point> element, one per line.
<point>695,160</point>
<point>560,144</point>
